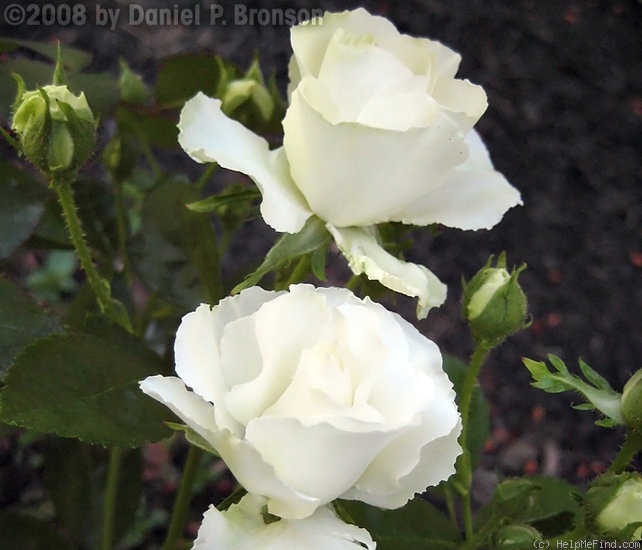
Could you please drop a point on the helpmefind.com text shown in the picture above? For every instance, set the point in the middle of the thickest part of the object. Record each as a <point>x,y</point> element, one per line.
<point>63,14</point>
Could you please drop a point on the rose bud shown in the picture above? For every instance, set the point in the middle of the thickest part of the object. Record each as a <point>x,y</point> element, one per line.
<point>494,303</point>
<point>56,129</point>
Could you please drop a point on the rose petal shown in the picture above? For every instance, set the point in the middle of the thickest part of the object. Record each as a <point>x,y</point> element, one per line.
<point>284,327</point>
<point>381,74</point>
<point>435,463</point>
<point>400,112</point>
<point>421,55</point>
<point>208,135</point>
<point>365,255</point>
<point>466,101</point>
<point>418,454</point>
<point>197,413</point>
<point>197,347</point>
<point>319,459</point>
<point>310,41</point>
<point>473,196</point>
<point>336,166</point>
<point>259,477</point>
<point>242,527</point>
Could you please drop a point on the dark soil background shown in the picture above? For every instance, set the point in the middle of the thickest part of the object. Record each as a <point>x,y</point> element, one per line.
<point>564,124</point>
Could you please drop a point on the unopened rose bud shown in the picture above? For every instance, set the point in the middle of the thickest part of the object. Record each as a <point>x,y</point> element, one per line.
<point>615,501</point>
<point>250,92</point>
<point>494,303</point>
<point>56,129</point>
<point>631,403</point>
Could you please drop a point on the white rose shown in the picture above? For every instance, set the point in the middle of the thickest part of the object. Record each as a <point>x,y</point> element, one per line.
<point>242,526</point>
<point>313,394</point>
<point>378,129</point>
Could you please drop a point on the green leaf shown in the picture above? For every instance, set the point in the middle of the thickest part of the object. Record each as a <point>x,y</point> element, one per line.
<point>85,387</point>
<point>289,247</point>
<point>73,59</point>
<point>318,261</point>
<point>101,89</point>
<point>22,199</point>
<point>417,525</point>
<point>597,392</point>
<point>24,532</point>
<point>176,252</point>
<point>593,376</point>
<point>156,129</point>
<point>180,77</point>
<point>21,322</point>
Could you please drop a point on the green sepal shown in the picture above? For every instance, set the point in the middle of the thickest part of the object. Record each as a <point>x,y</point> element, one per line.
<point>596,390</point>
<point>193,437</point>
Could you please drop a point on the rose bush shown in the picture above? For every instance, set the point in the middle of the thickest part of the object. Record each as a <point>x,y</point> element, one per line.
<point>313,394</point>
<point>242,526</point>
<point>377,130</point>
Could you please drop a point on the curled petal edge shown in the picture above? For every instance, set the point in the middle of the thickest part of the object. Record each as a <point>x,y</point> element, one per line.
<point>365,255</point>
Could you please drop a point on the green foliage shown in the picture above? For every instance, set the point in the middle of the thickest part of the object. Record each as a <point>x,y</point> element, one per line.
<point>596,390</point>
<point>549,506</point>
<point>419,524</point>
<point>22,204</point>
<point>291,246</point>
<point>83,386</point>
<point>176,251</point>
<point>181,77</point>
<point>21,321</point>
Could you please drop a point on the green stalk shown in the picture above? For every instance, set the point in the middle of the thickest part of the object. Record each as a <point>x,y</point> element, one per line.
<point>631,446</point>
<point>110,307</point>
<point>465,400</point>
<point>206,175</point>
<point>111,498</point>
<point>70,213</point>
<point>181,505</point>
<point>450,505</point>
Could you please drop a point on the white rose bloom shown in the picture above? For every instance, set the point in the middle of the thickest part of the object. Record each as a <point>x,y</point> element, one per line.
<point>378,130</point>
<point>313,394</point>
<point>242,527</point>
